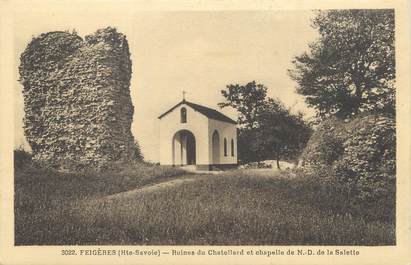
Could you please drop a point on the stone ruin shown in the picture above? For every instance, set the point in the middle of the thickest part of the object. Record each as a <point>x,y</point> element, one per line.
<point>78,109</point>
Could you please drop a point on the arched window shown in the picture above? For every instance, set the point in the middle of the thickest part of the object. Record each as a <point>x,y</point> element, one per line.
<point>232,147</point>
<point>183,115</point>
<point>225,147</point>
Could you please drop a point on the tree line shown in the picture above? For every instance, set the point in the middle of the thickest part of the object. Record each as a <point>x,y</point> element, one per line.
<point>348,70</point>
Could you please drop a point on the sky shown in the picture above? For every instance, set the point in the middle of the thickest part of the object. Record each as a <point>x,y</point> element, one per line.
<point>199,52</point>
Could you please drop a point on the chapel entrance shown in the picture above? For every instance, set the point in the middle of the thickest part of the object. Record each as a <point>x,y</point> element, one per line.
<point>184,148</point>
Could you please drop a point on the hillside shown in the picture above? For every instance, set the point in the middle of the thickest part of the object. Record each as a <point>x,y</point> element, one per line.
<point>147,204</point>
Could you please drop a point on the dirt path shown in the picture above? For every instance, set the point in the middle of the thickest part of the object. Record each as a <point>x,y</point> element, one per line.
<point>184,179</point>
<point>153,187</point>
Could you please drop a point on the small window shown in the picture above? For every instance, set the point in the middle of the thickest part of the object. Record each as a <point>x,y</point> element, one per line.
<point>225,147</point>
<point>183,114</point>
<point>232,147</point>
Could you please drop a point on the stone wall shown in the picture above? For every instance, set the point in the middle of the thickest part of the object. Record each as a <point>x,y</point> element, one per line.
<point>78,109</point>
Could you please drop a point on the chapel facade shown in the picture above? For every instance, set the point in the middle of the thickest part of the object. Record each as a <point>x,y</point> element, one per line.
<point>192,134</point>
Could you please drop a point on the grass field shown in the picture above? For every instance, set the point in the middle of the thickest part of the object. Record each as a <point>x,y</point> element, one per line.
<point>239,207</point>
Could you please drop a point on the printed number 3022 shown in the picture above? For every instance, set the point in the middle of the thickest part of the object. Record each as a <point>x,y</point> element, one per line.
<point>68,252</point>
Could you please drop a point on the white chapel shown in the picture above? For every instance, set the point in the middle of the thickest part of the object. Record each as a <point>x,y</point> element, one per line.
<point>191,134</point>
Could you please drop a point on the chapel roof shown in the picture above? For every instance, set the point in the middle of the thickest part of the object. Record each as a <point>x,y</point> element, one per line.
<point>208,112</point>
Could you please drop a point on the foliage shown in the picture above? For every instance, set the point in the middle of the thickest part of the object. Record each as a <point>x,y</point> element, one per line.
<point>325,145</point>
<point>268,130</point>
<point>235,208</point>
<point>359,154</point>
<point>138,155</point>
<point>77,103</point>
<point>248,100</point>
<point>351,67</point>
<point>369,158</point>
<point>21,157</point>
<point>281,135</point>
<point>59,46</point>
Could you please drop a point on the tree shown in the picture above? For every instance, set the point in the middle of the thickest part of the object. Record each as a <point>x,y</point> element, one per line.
<point>351,67</point>
<point>247,99</point>
<point>281,134</point>
<point>268,129</point>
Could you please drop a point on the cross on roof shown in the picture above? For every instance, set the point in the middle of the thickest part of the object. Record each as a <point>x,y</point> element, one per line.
<point>184,95</point>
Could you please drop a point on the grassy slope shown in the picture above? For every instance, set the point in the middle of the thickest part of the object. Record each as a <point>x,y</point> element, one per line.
<point>43,199</point>
<point>229,209</point>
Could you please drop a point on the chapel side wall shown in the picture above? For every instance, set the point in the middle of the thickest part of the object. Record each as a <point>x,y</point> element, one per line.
<point>196,123</point>
<point>225,130</point>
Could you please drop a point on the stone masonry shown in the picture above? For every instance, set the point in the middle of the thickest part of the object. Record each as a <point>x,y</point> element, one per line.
<point>78,109</point>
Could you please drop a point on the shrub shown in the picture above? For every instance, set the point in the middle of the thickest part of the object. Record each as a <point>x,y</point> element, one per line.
<point>326,144</point>
<point>358,154</point>
<point>368,162</point>
<point>138,155</point>
<point>21,157</point>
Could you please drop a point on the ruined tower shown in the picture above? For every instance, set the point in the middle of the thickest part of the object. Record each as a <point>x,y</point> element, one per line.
<point>78,109</point>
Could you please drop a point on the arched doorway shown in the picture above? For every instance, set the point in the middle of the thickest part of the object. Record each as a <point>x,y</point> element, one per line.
<point>184,148</point>
<point>216,148</point>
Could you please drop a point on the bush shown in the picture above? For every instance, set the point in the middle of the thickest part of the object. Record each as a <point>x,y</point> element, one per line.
<point>21,157</point>
<point>326,144</point>
<point>368,162</point>
<point>138,155</point>
<point>358,154</point>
